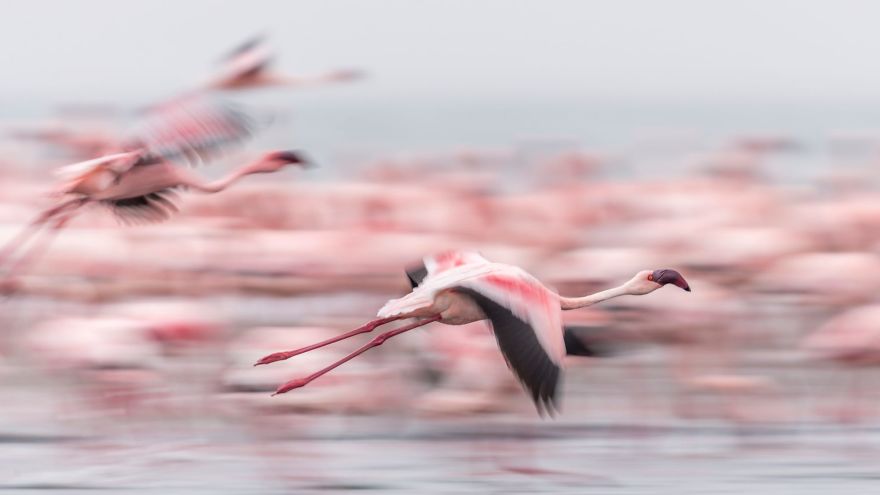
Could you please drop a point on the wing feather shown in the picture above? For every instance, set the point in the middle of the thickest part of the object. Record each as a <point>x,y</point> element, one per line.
<point>527,299</point>
<point>247,59</point>
<point>149,208</point>
<point>416,274</point>
<point>117,163</point>
<point>521,348</point>
<point>447,260</point>
<point>196,129</point>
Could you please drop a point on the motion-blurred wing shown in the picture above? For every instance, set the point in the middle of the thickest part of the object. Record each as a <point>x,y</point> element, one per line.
<point>440,262</point>
<point>416,274</point>
<point>520,343</point>
<point>437,273</point>
<point>196,129</point>
<point>247,60</point>
<point>589,342</point>
<point>117,163</point>
<point>245,47</point>
<point>149,208</point>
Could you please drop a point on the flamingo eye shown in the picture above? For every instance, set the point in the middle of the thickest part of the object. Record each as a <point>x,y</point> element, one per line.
<point>650,277</point>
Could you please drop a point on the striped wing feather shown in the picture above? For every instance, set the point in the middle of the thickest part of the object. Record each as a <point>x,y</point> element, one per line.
<point>196,129</point>
<point>149,208</point>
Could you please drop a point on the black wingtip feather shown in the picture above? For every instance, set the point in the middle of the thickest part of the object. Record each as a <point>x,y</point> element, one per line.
<point>149,208</point>
<point>589,341</point>
<point>523,352</point>
<point>416,274</point>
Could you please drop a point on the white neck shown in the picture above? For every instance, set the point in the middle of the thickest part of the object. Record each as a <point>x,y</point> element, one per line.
<point>581,302</point>
<point>187,179</point>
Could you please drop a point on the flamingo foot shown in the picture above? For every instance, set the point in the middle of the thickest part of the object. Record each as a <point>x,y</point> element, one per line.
<point>365,328</point>
<point>277,356</point>
<point>292,384</point>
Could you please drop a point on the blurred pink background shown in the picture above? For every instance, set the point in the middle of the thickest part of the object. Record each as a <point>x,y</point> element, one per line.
<point>583,141</point>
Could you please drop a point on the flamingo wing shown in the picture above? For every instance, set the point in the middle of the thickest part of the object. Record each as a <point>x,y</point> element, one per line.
<point>149,208</point>
<point>416,274</point>
<point>589,342</point>
<point>522,350</point>
<point>194,128</point>
<point>246,46</point>
<point>247,60</point>
<point>446,260</point>
<point>116,163</point>
<point>435,274</point>
<point>527,322</point>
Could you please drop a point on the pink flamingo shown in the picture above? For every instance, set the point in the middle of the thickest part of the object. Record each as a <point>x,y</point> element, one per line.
<point>248,67</point>
<point>138,189</point>
<point>457,288</point>
<point>137,180</point>
<point>850,339</point>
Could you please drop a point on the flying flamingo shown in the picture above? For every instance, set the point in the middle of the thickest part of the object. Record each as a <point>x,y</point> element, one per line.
<point>248,67</point>
<point>458,287</point>
<point>138,183</point>
<point>138,190</point>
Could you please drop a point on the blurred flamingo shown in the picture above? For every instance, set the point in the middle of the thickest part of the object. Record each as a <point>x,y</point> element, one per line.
<point>137,178</point>
<point>248,67</point>
<point>458,287</point>
<point>852,340</point>
<point>136,187</point>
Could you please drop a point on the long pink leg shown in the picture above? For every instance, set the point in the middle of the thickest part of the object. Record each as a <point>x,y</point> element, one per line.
<point>366,328</point>
<point>40,249</point>
<point>377,341</point>
<point>7,283</point>
<point>34,226</point>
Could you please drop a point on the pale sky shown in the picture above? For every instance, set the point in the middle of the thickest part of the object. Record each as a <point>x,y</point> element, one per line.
<point>662,50</point>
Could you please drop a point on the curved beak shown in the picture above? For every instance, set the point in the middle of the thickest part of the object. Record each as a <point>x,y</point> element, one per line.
<point>294,157</point>
<point>668,276</point>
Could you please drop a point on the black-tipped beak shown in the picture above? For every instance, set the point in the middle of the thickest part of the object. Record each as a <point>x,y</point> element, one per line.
<point>667,276</point>
<point>295,158</point>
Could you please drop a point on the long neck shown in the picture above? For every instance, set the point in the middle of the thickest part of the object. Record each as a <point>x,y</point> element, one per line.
<point>581,302</point>
<point>219,184</point>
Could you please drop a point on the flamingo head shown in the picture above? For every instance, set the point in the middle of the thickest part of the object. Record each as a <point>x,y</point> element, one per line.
<point>277,160</point>
<point>647,281</point>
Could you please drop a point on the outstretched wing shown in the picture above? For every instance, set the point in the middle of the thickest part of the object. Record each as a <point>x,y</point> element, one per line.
<point>446,260</point>
<point>194,128</point>
<point>149,208</point>
<point>247,60</point>
<point>522,350</point>
<point>245,47</point>
<point>117,163</point>
<point>416,274</point>
<point>526,320</point>
<point>589,341</point>
<point>436,273</point>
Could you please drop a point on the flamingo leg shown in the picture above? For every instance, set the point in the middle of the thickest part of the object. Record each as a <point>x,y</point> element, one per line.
<point>366,328</point>
<point>37,251</point>
<point>35,225</point>
<point>40,249</point>
<point>377,341</point>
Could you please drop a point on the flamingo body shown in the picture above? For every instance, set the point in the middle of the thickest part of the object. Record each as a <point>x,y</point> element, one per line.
<point>459,287</point>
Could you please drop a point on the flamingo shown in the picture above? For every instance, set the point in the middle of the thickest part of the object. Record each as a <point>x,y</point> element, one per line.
<point>850,339</point>
<point>460,287</point>
<point>248,67</point>
<point>137,181</point>
<point>136,189</point>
